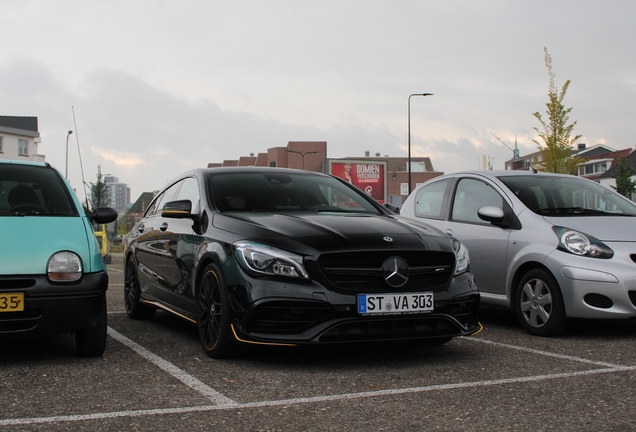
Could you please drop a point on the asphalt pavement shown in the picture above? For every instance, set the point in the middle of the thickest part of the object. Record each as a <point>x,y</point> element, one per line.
<point>154,376</point>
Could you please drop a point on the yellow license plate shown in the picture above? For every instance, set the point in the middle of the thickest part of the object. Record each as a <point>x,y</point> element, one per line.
<point>12,302</point>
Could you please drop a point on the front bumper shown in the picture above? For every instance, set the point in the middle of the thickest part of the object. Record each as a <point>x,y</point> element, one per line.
<point>597,288</point>
<point>266,311</point>
<point>53,308</point>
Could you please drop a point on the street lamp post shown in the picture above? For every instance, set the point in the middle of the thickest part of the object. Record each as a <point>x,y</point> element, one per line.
<point>67,135</point>
<point>409,162</point>
<point>302,154</point>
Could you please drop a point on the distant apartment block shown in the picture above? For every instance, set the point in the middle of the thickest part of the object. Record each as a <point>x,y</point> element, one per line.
<point>119,193</point>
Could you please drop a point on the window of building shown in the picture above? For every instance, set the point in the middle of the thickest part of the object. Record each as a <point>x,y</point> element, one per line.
<point>1,144</point>
<point>404,188</point>
<point>23,147</point>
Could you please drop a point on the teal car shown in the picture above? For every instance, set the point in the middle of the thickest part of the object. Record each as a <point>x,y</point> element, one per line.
<point>52,275</point>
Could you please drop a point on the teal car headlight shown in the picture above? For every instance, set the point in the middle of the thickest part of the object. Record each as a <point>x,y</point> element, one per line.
<point>462,259</point>
<point>578,243</point>
<point>261,259</point>
<point>64,267</point>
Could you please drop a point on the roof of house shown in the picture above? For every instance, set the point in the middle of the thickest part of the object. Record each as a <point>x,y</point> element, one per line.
<point>630,157</point>
<point>24,123</point>
<point>142,202</point>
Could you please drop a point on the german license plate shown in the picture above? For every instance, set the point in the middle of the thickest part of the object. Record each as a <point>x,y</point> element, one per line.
<point>369,304</point>
<point>11,302</point>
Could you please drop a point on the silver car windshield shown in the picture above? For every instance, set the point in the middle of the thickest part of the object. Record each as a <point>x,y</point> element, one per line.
<point>281,192</point>
<point>567,196</point>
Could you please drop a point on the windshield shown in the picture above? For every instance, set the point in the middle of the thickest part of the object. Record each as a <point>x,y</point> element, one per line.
<point>282,192</point>
<point>27,190</point>
<point>567,196</point>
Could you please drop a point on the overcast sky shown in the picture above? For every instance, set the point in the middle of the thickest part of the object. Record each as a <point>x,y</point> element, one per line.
<point>159,87</point>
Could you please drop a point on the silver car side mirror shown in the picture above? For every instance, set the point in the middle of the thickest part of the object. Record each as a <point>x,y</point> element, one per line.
<point>491,214</point>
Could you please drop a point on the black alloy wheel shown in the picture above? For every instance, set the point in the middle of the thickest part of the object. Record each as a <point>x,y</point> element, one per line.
<point>213,315</point>
<point>132,294</point>
<point>539,304</point>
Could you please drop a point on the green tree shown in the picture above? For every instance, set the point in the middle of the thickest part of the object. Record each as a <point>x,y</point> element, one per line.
<point>624,183</point>
<point>125,223</point>
<point>556,134</point>
<point>100,193</point>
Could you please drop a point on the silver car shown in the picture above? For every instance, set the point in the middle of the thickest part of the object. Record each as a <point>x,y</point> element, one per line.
<point>547,246</point>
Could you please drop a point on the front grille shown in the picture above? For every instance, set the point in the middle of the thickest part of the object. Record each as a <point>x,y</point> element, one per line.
<point>598,301</point>
<point>632,297</point>
<point>16,283</point>
<point>287,317</point>
<point>362,271</point>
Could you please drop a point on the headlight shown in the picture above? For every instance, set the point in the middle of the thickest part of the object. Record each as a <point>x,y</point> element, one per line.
<point>265,260</point>
<point>462,260</point>
<point>577,243</point>
<point>64,267</point>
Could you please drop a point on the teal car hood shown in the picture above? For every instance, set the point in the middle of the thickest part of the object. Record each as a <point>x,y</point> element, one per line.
<point>29,241</point>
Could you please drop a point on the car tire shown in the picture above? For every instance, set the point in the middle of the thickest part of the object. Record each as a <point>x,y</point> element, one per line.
<point>132,294</point>
<point>92,343</point>
<point>213,315</point>
<point>539,304</point>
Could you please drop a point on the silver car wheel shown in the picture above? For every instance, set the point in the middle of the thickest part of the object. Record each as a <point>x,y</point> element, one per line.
<point>536,302</point>
<point>539,304</point>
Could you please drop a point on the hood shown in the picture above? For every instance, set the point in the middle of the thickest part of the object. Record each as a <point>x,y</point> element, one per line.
<point>604,228</point>
<point>29,241</point>
<point>323,232</point>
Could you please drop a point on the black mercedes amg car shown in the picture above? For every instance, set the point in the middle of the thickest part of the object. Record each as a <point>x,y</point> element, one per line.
<point>287,257</point>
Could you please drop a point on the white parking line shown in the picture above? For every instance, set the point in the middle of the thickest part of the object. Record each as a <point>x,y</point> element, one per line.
<point>179,374</point>
<point>224,403</point>
<point>544,353</point>
<point>296,401</point>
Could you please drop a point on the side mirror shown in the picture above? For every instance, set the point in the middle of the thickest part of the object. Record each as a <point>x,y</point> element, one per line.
<point>491,214</point>
<point>392,207</point>
<point>178,210</point>
<point>102,215</point>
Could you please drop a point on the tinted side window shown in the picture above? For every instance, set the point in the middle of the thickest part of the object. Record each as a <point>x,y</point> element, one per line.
<point>470,196</point>
<point>429,200</point>
<point>190,191</point>
<point>166,196</point>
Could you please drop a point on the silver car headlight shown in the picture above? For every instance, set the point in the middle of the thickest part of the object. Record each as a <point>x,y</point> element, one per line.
<point>462,260</point>
<point>578,243</point>
<point>261,259</point>
<point>64,267</point>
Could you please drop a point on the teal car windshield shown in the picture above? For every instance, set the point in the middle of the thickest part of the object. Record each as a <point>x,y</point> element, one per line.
<point>27,190</point>
<point>560,196</point>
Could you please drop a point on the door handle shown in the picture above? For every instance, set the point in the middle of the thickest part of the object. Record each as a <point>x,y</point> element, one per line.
<point>164,226</point>
<point>449,232</point>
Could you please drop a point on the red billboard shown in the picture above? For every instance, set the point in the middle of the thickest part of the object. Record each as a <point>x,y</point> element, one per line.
<point>368,176</point>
